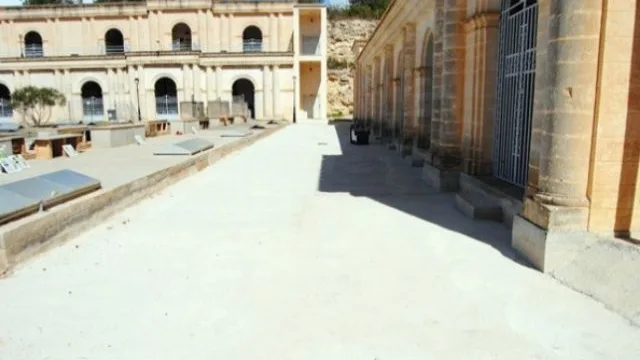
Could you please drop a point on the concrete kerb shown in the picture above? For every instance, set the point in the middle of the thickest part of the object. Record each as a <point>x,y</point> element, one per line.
<point>33,235</point>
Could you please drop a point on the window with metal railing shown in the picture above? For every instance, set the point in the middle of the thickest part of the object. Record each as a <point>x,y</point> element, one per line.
<point>33,45</point>
<point>252,39</point>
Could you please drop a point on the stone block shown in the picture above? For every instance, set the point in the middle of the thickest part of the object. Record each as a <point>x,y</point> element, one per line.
<point>478,208</point>
<point>441,179</point>
<point>547,250</point>
<point>556,218</point>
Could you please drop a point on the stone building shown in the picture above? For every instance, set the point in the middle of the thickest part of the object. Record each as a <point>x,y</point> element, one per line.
<point>528,109</point>
<point>113,61</point>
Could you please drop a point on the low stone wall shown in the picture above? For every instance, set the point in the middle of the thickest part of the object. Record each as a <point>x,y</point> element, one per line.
<point>115,135</point>
<point>21,240</point>
<point>184,126</point>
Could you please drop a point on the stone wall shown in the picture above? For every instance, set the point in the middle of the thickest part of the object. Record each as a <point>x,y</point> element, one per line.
<point>342,34</point>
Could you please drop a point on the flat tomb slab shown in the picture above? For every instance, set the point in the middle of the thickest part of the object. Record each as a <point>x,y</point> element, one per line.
<point>236,134</point>
<point>186,147</point>
<point>24,196</point>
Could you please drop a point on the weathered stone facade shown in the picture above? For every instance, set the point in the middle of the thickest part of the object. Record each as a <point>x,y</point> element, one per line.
<point>525,106</point>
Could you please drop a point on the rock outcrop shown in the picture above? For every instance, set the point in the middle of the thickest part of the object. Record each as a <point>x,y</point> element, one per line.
<point>342,34</point>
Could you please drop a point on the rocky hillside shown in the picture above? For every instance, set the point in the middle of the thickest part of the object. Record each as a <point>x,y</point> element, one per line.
<point>342,33</point>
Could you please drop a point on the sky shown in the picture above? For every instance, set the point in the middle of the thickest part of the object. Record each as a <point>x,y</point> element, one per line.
<point>19,2</point>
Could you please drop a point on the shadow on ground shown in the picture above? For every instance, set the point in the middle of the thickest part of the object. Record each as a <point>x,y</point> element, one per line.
<point>382,175</point>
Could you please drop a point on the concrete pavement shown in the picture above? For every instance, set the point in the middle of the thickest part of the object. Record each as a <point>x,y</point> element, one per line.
<point>296,249</point>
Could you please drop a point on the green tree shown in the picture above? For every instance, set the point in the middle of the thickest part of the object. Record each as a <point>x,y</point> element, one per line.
<point>34,104</point>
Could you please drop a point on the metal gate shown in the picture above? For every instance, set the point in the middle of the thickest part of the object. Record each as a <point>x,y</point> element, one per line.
<point>516,78</point>
<point>92,109</point>
<point>167,108</point>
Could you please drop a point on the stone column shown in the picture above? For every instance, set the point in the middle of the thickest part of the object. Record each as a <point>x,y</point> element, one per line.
<point>186,83</point>
<point>369,102</point>
<point>202,31</point>
<point>276,91</point>
<point>266,93</point>
<point>210,85</point>
<point>480,92</point>
<point>273,32</point>
<point>451,108</point>
<point>410,120</point>
<point>279,29</point>
<point>219,90</point>
<point>438,68</point>
<point>388,51</point>
<point>230,34</point>
<point>159,38</point>
<point>376,79</point>
<point>552,229</point>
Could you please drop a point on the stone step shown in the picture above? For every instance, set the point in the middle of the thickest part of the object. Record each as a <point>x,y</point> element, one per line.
<point>478,207</point>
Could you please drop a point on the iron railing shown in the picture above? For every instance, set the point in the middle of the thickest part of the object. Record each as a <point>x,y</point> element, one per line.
<point>252,45</point>
<point>33,50</point>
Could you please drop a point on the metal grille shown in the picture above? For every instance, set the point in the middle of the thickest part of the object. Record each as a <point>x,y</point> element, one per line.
<point>92,109</point>
<point>516,78</point>
<point>252,45</point>
<point>6,111</point>
<point>167,107</point>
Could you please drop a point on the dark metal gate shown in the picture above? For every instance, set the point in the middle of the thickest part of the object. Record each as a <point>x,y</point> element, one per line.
<point>516,78</point>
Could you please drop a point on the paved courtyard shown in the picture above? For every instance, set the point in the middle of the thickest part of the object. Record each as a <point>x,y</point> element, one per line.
<point>297,249</point>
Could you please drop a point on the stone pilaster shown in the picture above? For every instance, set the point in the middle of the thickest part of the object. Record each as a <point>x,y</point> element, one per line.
<point>376,90</point>
<point>451,106</point>
<point>388,100</point>
<point>438,66</point>
<point>482,38</point>
<point>410,122</point>
<point>369,93</point>
<point>552,228</point>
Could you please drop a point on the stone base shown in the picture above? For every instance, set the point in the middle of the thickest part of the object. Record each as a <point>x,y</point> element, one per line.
<point>478,208</point>
<point>441,179</point>
<point>547,250</point>
<point>473,188</point>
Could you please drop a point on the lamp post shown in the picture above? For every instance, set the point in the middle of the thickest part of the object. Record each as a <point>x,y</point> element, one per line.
<point>138,95</point>
<point>294,98</point>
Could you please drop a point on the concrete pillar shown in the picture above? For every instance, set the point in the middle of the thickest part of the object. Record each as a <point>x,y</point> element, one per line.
<point>482,35</point>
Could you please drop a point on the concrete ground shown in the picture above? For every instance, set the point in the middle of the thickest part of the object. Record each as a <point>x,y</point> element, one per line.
<point>296,249</point>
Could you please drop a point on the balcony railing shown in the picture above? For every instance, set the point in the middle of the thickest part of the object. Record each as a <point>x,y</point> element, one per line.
<point>33,50</point>
<point>115,49</point>
<point>252,46</point>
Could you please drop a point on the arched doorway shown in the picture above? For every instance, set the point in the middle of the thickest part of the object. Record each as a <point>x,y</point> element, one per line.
<point>426,102</point>
<point>252,39</point>
<point>514,98</point>
<point>6,111</point>
<point>92,104</point>
<point>181,37</point>
<point>166,94</point>
<point>399,116</point>
<point>114,42</point>
<point>33,45</point>
<point>243,90</point>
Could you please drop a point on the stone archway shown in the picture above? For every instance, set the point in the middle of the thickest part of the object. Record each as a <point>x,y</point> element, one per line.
<point>245,90</point>
<point>114,42</point>
<point>181,37</point>
<point>252,39</point>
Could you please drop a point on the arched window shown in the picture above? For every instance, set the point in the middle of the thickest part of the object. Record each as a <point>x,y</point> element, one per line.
<point>252,39</point>
<point>166,94</point>
<point>181,37</point>
<point>243,90</point>
<point>92,104</point>
<point>6,111</point>
<point>33,45</point>
<point>114,42</point>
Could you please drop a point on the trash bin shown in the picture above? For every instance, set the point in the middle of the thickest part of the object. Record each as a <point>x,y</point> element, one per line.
<point>358,134</point>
